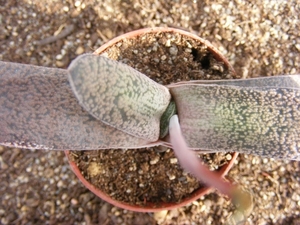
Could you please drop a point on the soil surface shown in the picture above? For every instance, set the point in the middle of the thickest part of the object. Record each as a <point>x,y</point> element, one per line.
<point>141,176</point>
<point>260,38</point>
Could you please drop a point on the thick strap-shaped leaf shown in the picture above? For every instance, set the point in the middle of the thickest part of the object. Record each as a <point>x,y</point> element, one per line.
<point>119,95</point>
<point>283,81</point>
<point>262,121</point>
<point>39,110</point>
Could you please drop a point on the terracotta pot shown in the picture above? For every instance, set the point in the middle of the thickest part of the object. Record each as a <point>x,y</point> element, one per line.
<point>151,207</point>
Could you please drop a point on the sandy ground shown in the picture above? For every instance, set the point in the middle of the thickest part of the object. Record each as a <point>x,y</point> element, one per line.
<point>260,38</point>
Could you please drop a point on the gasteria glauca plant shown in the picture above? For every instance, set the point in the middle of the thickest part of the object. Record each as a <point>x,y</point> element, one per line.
<point>120,107</point>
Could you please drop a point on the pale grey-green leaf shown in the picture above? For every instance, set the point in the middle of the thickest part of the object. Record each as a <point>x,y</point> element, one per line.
<point>262,121</point>
<point>119,95</point>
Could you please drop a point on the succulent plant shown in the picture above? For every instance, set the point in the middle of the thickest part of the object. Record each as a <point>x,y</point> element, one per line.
<point>120,107</point>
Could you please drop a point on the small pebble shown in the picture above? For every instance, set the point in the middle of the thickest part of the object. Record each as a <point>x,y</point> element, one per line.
<point>188,44</point>
<point>79,50</point>
<point>60,184</point>
<point>88,25</point>
<point>160,216</point>
<point>228,157</point>
<point>77,3</point>
<point>154,48</point>
<point>173,50</point>
<point>202,208</point>
<point>74,201</point>
<point>195,203</point>
<point>60,64</point>
<point>171,177</point>
<point>191,190</point>
<point>168,43</point>
<point>295,197</point>
<point>59,57</point>
<point>154,161</point>
<point>64,196</point>
<point>173,160</point>
<point>163,57</point>
<point>66,8</point>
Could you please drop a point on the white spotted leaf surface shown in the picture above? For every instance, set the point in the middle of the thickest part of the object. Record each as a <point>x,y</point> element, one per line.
<point>38,110</point>
<point>258,120</point>
<point>118,95</point>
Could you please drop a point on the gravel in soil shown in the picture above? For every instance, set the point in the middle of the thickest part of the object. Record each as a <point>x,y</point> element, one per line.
<point>260,38</point>
<point>168,57</point>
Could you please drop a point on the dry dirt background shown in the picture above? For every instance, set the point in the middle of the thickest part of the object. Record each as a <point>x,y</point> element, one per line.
<point>259,38</point>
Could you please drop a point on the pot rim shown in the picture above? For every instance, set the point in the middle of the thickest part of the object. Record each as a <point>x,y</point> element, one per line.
<point>153,207</point>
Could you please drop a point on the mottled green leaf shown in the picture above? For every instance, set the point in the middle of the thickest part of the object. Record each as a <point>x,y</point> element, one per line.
<point>263,121</point>
<point>119,95</point>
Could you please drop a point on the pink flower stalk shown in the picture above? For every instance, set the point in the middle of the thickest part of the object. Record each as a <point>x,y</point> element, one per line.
<point>191,163</point>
